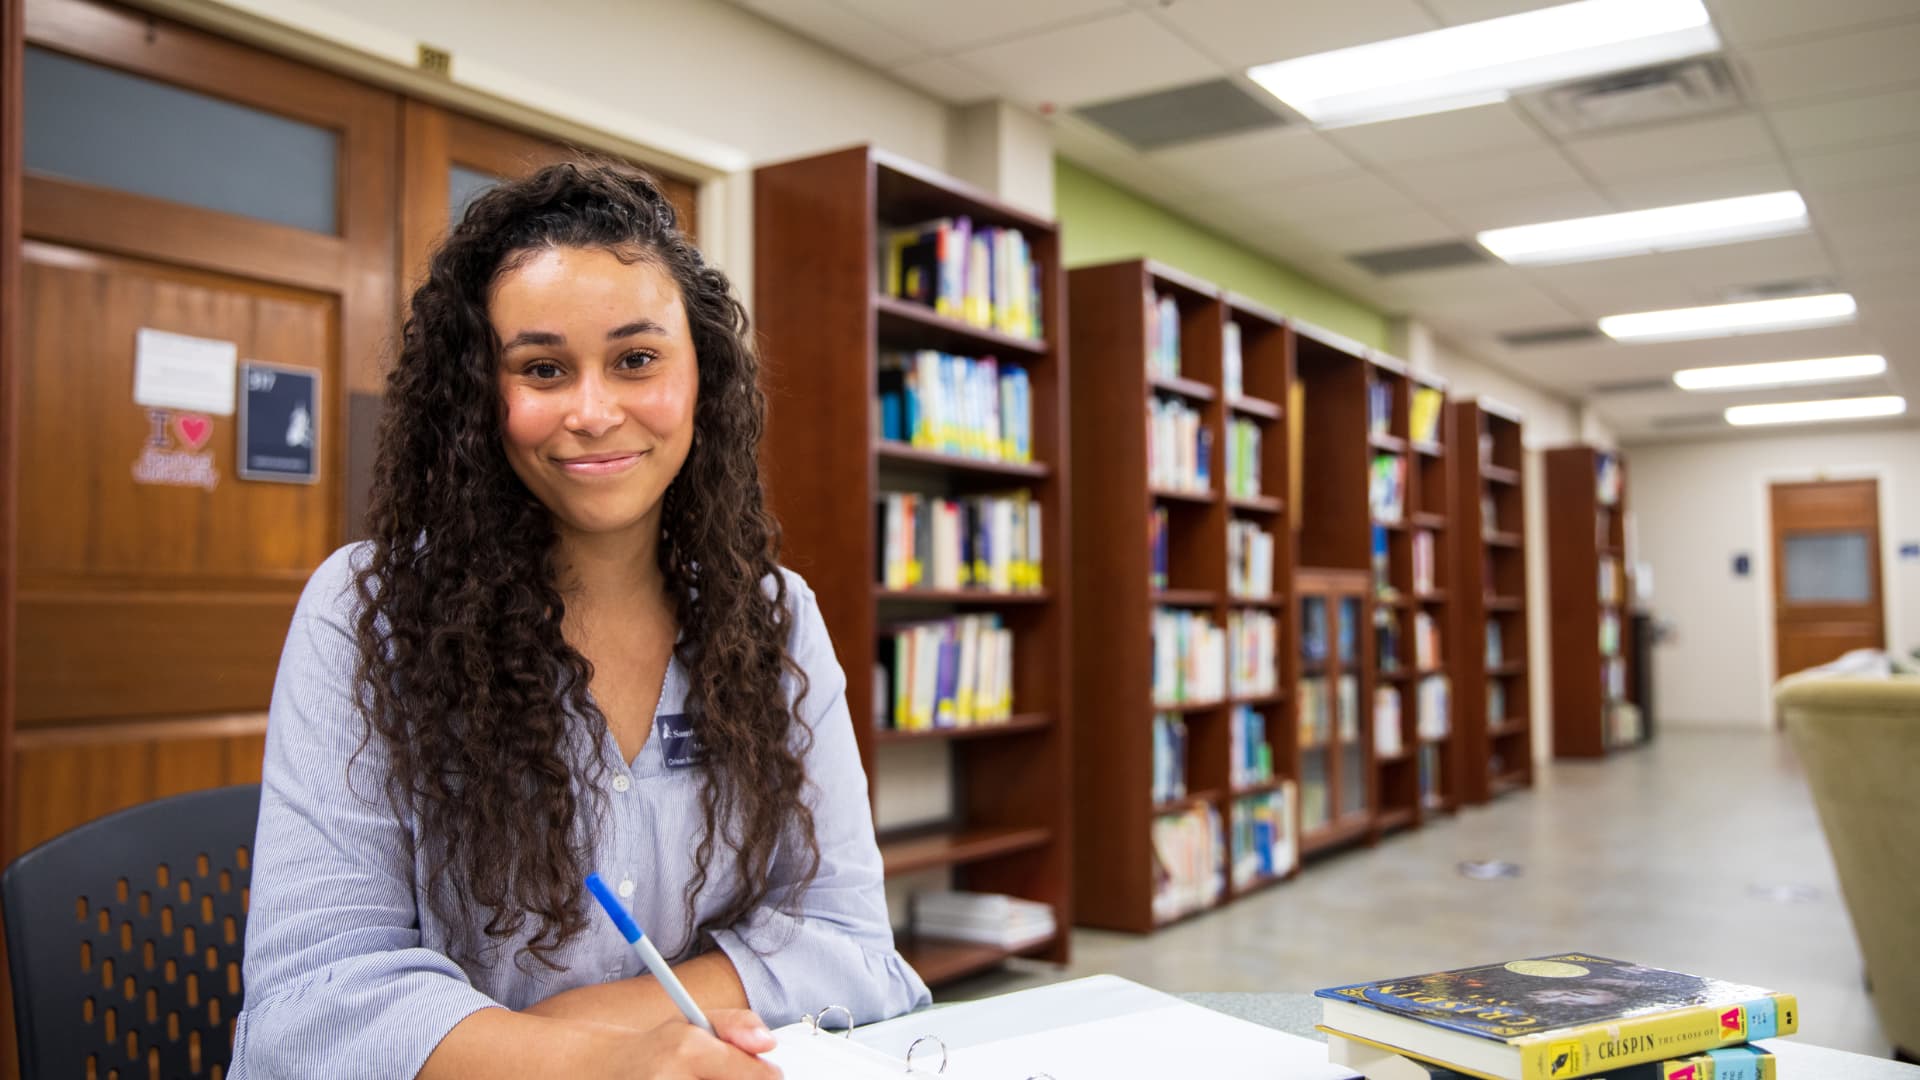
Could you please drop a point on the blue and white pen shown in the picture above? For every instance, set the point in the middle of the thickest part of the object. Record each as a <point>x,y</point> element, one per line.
<point>649,955</point>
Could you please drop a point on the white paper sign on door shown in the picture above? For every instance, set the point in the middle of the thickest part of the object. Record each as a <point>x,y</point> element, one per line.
<point>176,371</point>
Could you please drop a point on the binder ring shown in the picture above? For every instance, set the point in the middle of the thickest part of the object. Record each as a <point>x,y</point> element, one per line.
<point>935,1040</point>
<point>817,1021</point>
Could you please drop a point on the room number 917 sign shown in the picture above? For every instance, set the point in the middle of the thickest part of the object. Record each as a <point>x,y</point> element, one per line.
<point>279,423</point>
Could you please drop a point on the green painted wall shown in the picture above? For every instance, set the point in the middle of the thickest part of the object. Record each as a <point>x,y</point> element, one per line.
<point>1101,222</point>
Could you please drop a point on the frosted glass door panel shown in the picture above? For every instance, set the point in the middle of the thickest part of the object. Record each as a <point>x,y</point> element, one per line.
<point>463,186</point>
<point>102,126</point>
<point>1828,568</point>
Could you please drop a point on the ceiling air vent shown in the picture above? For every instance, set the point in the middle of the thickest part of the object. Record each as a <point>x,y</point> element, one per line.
<point>1682,90</point>
<point>1408,260</point>
<point>1549,335</point>
<point>1634,386</point>
<point>1779,290</point>
<point>1690,420</point>
<point>1184,114</point>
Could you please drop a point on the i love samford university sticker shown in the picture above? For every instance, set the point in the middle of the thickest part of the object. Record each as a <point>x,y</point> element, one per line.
<point>188,465</point>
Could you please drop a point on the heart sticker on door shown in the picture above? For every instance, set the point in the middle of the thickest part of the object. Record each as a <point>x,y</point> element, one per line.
<point>193,429</point>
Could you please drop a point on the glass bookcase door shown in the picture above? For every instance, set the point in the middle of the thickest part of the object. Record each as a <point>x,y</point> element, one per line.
<point>1353,754</point>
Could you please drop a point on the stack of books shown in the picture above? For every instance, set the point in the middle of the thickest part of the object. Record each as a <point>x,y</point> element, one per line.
<point>1556,1018</point>
<point>1005,922</point>
<point>984,276</point>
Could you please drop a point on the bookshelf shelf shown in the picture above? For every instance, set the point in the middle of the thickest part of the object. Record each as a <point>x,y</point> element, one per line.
<point>1435,596</point>
<point>904,456</point>
<point>1421,519</point>
<point>1140,550</point>
<point>912,325</point>
<point>826,317</point>
<point>1404,817</point>
<point>1198,498</point>
<point>1590,579</point>
<point>941,960</point>
<point>1397,757</point>
<point>1264,504</point>
<point>1187,388</point>
<point>922,850</point>
<point>1186,597</point>
<point>1392,444</point>
<point>1490,574</point>
<point>960,596</point>
<point>1275,601</point>
<point>1337,834</point>
<point>1430,449</point>
<point>1253,406</point>
<point>1016,725</point>
<point>1257,789</point>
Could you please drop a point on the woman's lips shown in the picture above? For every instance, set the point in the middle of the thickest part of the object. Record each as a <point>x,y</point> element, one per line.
<point>601,464</point>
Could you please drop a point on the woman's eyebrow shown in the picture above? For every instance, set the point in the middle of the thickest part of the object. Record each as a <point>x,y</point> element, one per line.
<point>536,337</point>
<point>638,326</point>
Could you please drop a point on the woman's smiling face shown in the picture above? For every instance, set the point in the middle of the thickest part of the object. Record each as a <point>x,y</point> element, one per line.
<point>599,380</point>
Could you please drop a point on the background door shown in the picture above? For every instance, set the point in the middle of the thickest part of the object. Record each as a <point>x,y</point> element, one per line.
<point>181,183</point>
<point>1826,572</point>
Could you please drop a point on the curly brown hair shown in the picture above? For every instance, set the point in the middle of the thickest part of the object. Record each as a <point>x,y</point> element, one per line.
<point>465,675</point>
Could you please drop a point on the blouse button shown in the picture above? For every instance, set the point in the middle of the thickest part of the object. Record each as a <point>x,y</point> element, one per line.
<point>626,889</point>
<point>621,783</point>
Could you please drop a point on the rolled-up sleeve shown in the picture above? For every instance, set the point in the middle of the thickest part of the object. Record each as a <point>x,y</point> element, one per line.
<point>337,982</point>
<point>837,948</point>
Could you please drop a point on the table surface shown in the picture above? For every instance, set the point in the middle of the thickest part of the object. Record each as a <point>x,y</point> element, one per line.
<point>1296,1014</point>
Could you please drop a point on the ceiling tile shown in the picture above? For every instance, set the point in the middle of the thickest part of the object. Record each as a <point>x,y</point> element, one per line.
<point>1241,33</point>
<point>1818,67</point>
<point>1374,232</point>
<point>945,79</point>
<point>1455,12</point>
<point>1100,60</point>
<point>1865,206</point>
<point>833,25</point>
<point>1715,272</point>
<point>1525,208</point>
<point>1257,160</point>
<point>1460,131</point>
<point>1829,124</point>
<point>1749,22</point>
<point>951,27</point>
<point>1440,181</point>
<point>1863,166</point>
<point>1348,195</point>
<point>1611,286</point>
<point>1669,148</point>
<point>1719,182</point>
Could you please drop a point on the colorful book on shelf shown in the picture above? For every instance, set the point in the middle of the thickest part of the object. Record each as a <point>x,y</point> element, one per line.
<point>1387,740</point>
<point>1265,835</point>
<point>1379,408</point>
<point>1169,757</point>
<point>1189,862</point>
<point>1424,418</point>
<point>1730,1063</point>
<point>949,673</point>
<point>1555,1017</point>
<point>1387,488</point>
<point>983,276</point>
<point>1232,379</point>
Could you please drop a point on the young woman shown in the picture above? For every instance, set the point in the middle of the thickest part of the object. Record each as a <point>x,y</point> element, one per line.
<point>567,648</point>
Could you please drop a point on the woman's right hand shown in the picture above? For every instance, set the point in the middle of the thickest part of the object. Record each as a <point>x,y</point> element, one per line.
<point>677,1050</point>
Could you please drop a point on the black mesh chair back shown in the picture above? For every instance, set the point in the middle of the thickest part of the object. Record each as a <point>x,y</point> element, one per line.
<point>124,937</point>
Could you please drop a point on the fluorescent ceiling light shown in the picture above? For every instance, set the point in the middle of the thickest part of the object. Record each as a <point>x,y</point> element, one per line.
<point>1780,373</point>
<point>1483,62</point>
<point>1800,412</point>
<point>1724,320</point>
<point>1643,232</point>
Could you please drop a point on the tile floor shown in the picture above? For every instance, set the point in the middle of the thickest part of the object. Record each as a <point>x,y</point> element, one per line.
<point>1700,852</point>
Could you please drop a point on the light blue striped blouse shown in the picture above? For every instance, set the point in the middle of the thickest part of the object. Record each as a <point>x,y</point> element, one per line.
<point>347,969</point>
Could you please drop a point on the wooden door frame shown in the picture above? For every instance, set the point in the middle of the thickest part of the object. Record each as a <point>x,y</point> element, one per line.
<point>12,54</point>
<point>1763,562</point>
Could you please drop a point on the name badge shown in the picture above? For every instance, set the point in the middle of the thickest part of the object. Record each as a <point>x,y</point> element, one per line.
<point>680,744</point>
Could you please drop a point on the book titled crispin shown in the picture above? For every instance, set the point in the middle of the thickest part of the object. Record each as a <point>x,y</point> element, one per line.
<point>1555,1017</point>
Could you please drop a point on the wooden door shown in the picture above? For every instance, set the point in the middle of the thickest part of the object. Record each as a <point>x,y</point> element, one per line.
<point>155,584</point>
<point>448,157</point>
<point>1826,572</point>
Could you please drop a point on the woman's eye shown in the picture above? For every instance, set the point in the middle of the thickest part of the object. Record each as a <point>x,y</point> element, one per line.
<point>637,359</point>
<point>544,369</point>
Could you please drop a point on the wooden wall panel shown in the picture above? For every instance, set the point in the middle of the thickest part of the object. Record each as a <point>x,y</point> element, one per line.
<point>72,776</point>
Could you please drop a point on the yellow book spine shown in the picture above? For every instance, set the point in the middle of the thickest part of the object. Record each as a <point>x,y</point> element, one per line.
<point>1558,1055</point>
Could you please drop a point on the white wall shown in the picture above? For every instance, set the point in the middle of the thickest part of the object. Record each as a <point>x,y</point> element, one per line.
<point>691,72</point>
<point>1700,504</point>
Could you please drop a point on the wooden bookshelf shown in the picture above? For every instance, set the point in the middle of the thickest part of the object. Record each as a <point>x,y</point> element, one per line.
<point>1333,753</point>
<point>1359,419</point>
<point>823,319</point>
<point>1116,596</point>
<point>1589,580</point>
<point>1491,691</point>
